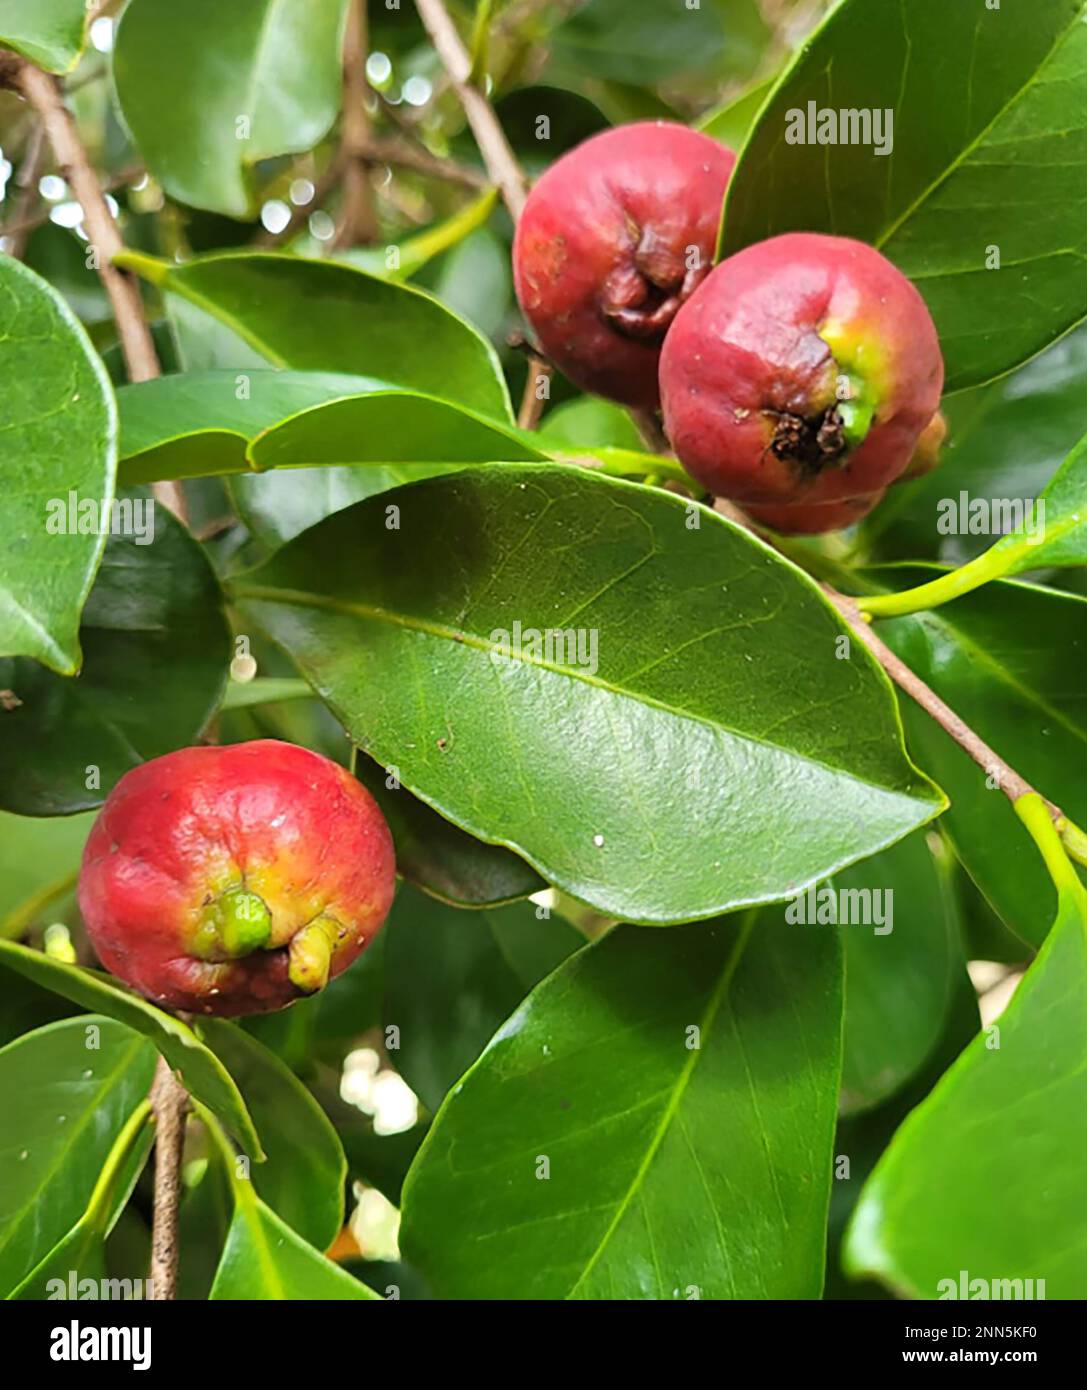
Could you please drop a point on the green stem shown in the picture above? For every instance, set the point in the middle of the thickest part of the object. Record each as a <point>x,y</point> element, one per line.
<point>98,1208</point>
<point>1035,815</point>
<point>627,463</point>
<point>993,564</point>
<point>1074,840</point>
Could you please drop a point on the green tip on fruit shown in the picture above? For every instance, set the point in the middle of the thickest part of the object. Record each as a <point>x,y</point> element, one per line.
<point>311,954</point>
<point>234,925</point>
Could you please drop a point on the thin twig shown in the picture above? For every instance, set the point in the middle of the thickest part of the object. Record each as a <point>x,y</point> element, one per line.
<point>532,401</point>
<point>385,150</point>
<point>27,180</point>
<point>32,221</point>
<point>141,361</point>
<point>358,220</point>
<point>170,1103</point>
<point>1010,782</point>
<point>498,156</point>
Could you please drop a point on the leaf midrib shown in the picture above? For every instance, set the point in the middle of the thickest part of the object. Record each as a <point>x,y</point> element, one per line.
<point>302,599</point>
<point>678,1091</point>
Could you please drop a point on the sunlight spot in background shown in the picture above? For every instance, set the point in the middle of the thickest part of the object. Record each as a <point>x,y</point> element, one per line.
<point>375,1224</point>
<point>321,226</point>
<point>380,1093</point>
<point>378,69</point>
<point>302,192</point>
<point>102,34</point>
<point>274,215</point>
<point>68,215</point>
<point>52,188</point>
<point>417,91</point>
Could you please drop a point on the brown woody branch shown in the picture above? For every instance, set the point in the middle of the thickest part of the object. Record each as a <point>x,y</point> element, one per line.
<point>43,93</point>
<point>498,156</point>
<point>170,1104</point>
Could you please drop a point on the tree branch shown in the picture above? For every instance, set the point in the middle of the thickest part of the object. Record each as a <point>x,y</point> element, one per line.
<point>27,180</point>
<point>141,361</point>
<point>1010,782</point>
<point>358,221</point>
<point>497,154</point>
<point>170,1103</point>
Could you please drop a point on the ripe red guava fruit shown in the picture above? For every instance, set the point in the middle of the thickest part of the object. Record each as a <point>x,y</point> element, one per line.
<point>803,370</point>
<point>614,237</point>
<point>235,880</point>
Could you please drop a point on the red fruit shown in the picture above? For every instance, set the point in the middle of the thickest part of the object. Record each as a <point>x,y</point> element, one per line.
<point>807,519</point>
<point>235,880</point>
<point>614,237</point>
<point>804,369</point>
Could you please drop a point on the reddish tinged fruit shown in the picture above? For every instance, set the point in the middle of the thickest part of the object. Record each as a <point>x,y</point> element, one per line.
<point>235,880</point>
<point>806,519</point>
<point>614,238</point>
<point>804,370</point>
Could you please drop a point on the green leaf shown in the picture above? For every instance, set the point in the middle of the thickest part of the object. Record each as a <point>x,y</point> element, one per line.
<point>732,122</point>
<point>155,656</point>
<point>416,251</point>
<point>81,1254</point>
<point>861,1139</point>
<point>264,690</point>
<point>390,427</point>
<point>445,862</point>
<point>1047,533</point>
<point>1007,659</point>
<point>681,1087</point>
<point>265,1259</point>
<point>67,1091</point>
<point>48,32</point>
<point>60,441</point>
<point>715,667</point>
<point>901,973</point>
<point>452,977</point>
<point>985,150</point>
<point>203,1075</point>
<point>208,90</point>
<point>1001,1135</point>
<point>319,316</point>
<point>276,507</point>
<point>643,42</point>
<point>303,1179</point>
<point>1005,441</point>
<point>39,861</point>
<point>589,422</point>
<point>195,424</point>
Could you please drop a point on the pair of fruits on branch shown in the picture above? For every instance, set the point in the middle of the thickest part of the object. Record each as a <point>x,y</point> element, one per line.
<point>798,378</point>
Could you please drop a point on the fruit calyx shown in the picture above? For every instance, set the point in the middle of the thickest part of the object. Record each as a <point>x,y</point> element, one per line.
<point>640,299</point>
<point>813,443</point>
<point>232,925</point>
